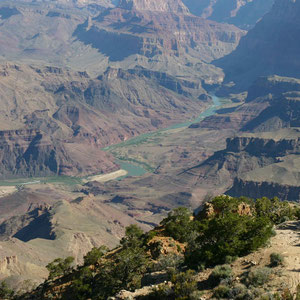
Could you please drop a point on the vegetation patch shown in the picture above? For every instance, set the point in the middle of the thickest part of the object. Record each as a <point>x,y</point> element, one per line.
<point>225,228</point>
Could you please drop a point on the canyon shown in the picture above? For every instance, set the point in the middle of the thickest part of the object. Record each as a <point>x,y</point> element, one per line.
<point>181,89</point>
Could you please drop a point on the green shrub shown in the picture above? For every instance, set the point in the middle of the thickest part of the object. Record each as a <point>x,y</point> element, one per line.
<point>276,260</point>
<point>184,284</point>
<point>297,294</point>
<point>5,291</point>
<point>155,249</point>
<point>222,291</point>
<point>133,237</point>
<point>94,255</point>
<point>259,277</point>
<point>196,295</point>
<point>150,235</point>
<point>230,259</point>
<point>220,273</point>
<point>168,261</point>
<point>277,211</point>
<point>178,224</point>
<point>123,272</point>
<point>238,291</point>
<point>160,292</point>
<point>81,287</point>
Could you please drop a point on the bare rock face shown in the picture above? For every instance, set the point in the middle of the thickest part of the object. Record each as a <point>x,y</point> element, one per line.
<point>72,3</point>
<point>267,147</point>
<point>175,6</point>
<point>157,28</point>
<point>277,85</point>
<point>244,209</point>
<point>7,262</point>
<point>222,167</point>
<point>271,47</point>
<point>272,104</point>
<point>257,189</point>
<point>35,224</point>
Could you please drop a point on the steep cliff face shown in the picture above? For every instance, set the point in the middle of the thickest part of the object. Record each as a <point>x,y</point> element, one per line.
<point>175,6</point>
<point>276,85</point>
<point>242,13</point>
<point>271,47</point>
<point>72,3</point>
<point>153,27</point>
<point>242,155</point>
<point>265,147</point>
<point>26,153</point>
<point>251,161</point>
<point>92,35</point>
<point>256,189</point>
<point>272,104</point>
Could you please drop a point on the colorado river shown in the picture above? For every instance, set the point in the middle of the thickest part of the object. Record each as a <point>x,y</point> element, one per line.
<point>135,168</point>
<point>131,167</point>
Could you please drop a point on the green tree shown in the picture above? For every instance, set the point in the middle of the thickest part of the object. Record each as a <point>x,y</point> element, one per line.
<point>60,267</point>
<point>227,234</point>
<point>93,256</point>
<point>179,224</point>
<point>133,236</point>
<point>274,209</point>
<point>82,285</point>
<point>5,291</point>
<point>124,271</point>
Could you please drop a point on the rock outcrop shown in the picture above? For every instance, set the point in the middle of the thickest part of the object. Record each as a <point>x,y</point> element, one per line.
<point>256,146</point>
<point>257,189</point>
<point>175,6</point>
<point>272,104</point>
<point>154,28</point>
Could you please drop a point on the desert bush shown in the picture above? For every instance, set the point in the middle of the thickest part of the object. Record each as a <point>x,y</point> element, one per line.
<point>276,260</point>
<point>222,291</point>
<point>81,287</point>
<point>161,292</point>
<point>220,273</point>
<point>165,262</point>
<point>259,277</point>
<point>155,249</point>
<point>230,259</point>
<point>196,295</point>
<point>124,271</point>
<point>150,235</point>
<point>277,211</point>
<point>5,291</point>
<point>238,291</point>
<point>184,284</point>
